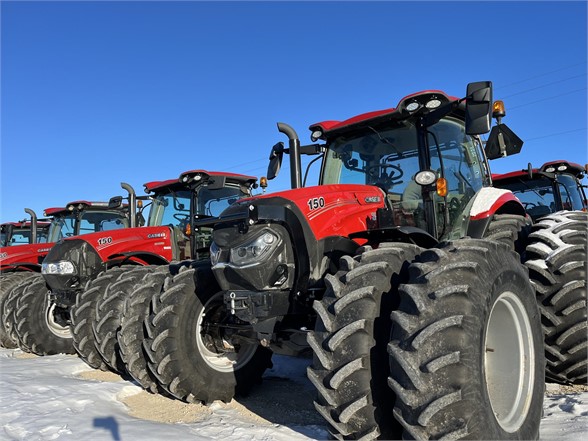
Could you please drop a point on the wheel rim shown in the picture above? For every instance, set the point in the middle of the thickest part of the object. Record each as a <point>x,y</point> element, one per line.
<point>226,361</point>
<point>54,327</point>
<point>509,360</point>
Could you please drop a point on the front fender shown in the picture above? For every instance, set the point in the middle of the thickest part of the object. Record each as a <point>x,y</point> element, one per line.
<point>488,202</point>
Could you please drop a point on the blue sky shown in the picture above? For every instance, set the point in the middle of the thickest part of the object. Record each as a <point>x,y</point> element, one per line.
<point>95,93</point>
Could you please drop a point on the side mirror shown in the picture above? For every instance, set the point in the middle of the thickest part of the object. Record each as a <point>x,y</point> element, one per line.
<point>275,158</point>
<point>115,202</point>
<point>478,107</point>
<point>530,170</point>
<point>502,142</point>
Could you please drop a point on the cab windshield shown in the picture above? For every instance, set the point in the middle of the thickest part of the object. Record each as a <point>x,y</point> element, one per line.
<point>62,226</point>
<point>20,236</point>
<point>538,195</point>
<point>213,202</point>
<point>87,221</point>
<point>388,157</point>
<point>170,209</point>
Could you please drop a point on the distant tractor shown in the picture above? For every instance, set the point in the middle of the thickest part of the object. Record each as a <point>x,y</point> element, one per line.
<point>89,277</point>
<point>397,271</point>
<point>21,265</point>
<point>24,232</point>
<point>554,197</point>
<point>555,186</point>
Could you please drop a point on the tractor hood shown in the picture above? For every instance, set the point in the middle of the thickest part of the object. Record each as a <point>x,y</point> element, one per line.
<point>74,261</point>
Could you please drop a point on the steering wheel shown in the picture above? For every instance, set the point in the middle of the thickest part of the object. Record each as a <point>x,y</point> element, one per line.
<point>395,173</point>
<point>181,217</point>
<point>529,205</point>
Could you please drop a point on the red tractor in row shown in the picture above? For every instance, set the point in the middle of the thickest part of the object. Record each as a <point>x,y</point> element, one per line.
<point>398,272</point>
<point>19,264</point>
<point>25,232</point>
<point>88,277</point>
<point>553,195</point>
<point>555,186</point>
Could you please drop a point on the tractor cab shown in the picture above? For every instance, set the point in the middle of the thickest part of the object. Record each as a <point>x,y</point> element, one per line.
<point>425,155</point>
<point>25,232</point>
<point>20,233</point>
<point>82,217</point>
<point>555,186</point>
<point>211,193</point>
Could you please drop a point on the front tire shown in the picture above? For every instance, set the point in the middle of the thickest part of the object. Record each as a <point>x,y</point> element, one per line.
<point>466,351</point>
<point>108,314</point>
<point>8,282</point>
<point>181,349</point>
<point>42,326</point>
<point>350,365</point>
<point>132,332</point>
<point>83,316</point>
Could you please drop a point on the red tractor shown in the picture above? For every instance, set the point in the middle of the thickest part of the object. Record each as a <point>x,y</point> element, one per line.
<point>556,186</point>
<point>397,271</point>
<point>24,232</point>
<point>20,264</point>
<point>88,277</point>
<point>556,256</point>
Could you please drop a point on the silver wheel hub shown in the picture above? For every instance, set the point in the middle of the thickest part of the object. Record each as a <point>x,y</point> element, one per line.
<point>229,361</point>
<point>509,361</point>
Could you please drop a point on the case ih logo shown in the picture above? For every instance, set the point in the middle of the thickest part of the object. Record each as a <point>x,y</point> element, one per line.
<point>155,235</point>
<point>3,255</point>
<point>372,199</point>
<point>104,240</point>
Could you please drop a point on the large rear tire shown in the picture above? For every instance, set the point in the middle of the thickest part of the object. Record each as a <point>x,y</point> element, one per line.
<point>7,283</point>
<point>350,367</point>
<point>466,351</point>
<point>132,332</point>
<point>43,328</point>
<point>556,258</point>
<point>109,307</point>
<point>183,341</point>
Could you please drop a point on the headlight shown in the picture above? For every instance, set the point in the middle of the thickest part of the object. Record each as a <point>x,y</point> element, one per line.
<point>254,251</point>
<point>61,267</point>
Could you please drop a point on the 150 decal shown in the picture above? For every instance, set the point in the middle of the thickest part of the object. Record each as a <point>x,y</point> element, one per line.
<point>104,241</point>
<point>316,203</point>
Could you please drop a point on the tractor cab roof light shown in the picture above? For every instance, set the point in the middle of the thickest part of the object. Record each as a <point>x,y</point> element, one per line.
<point>316,135</point>
<point>562,167</point>
<point>433,103</point>
<point>550,169</point>
<point>411,107</point>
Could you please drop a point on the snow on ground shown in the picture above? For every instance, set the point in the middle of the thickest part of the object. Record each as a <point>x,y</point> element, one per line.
<point>61,398</point>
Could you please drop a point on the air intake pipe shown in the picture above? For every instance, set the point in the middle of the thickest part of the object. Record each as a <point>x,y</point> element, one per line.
<point>132,204</point>
<point>33,238</point>
<point>294,150</point>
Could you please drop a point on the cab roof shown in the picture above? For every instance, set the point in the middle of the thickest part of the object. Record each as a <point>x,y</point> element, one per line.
<point>25,224</point>
<point>85,205</point>
<point>374,117</point>
<point>205,175</point>
<point>551,167</point>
